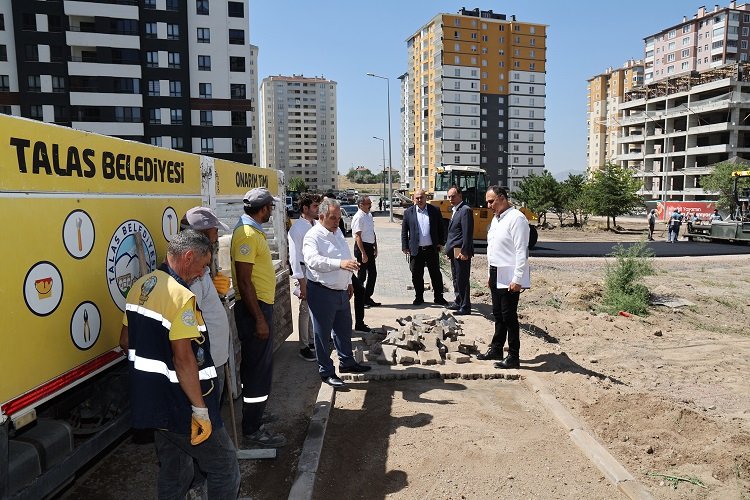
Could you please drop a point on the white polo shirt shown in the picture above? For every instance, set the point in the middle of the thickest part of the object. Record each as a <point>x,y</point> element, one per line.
<point>508,248</point>
<point>364,223</point>
<point>323,251</point>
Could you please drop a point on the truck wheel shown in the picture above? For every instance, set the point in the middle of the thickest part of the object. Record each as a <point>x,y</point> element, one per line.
<point>533,236</point>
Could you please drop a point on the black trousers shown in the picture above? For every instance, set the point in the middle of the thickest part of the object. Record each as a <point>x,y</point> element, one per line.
<point>505,311</point>
<point>461,270</point>
<point>426,256</point>
<point>256,367</point>
<point>368,272</point>
<point>359,301</point>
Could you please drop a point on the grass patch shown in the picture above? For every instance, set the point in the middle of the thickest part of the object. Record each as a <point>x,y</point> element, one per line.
<point>725,302</point>
<point>623,287</point>
<point>554,302</point>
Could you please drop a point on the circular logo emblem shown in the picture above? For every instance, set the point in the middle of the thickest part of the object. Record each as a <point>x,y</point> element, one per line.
<point>43,288</point>
<point>170,224</point>
<point>78,234</point>
<point>244,249</point>
<point>85,325</point>
<point>130,245</point>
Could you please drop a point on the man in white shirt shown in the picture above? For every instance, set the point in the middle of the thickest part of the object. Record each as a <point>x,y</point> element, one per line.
<point>365,249</point>
<point>308,206</point>
<point>508,259</point>
<point>328,268</point>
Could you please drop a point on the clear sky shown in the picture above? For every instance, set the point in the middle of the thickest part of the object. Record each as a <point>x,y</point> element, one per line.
<point>342,40</point>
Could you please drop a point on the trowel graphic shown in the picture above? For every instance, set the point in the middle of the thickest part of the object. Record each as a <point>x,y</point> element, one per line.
<point>86,327</point>
<point>79,222</point>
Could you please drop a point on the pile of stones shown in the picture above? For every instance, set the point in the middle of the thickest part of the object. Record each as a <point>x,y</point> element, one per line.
<point>420,339</point>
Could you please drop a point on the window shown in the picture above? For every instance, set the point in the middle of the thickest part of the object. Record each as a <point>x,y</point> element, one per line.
<point>150,30</point>
<point>155,141</point>
<point>175,116</point>
<point>2,22</point>
<point>204,35</point>
<point>58,84</point>
<point>3,53</point>
<point>235,9</point>
<point>204,63</point>
<point>154,116</point>
<point>743,44</point>
<point>28,22</point>
<point>178,143</point>
<point>173,5</point>
<point>173,58</point>
<point>152,59</point>
<point>57,53</point>
<point>149,4</point>
<point>239,145</point>
<point>201,7</point>
<point>236,37</point>
<point>35,83</point>
<point>173,31</point>
<point>175,88</point>
<point>127,114</point>
<point>236,64</point>
<point>456,147</point>
<point>207,144</point>
<point>237,91</point>
<point>204,90</point>
<point>686,53</point>
<point>31,52</point>
<point>457,159</point>
<point>239,118</point>
<point>153,88</point>
<point>530,161</point>
<point>5,110</point>
<point>4,83</point>
<point>206,118</point>
<point>36,112</point>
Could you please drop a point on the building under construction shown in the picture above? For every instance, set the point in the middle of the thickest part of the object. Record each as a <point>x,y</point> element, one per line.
<point>671,132</point>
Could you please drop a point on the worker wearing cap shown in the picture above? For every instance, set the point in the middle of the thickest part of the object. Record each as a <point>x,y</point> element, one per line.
<point>203,220</point>
<point>254,281</point>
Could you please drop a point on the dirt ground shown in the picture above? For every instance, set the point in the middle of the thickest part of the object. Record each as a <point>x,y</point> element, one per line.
<point>667,394</point>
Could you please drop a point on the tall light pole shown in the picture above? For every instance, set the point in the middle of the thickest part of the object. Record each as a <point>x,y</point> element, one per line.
<point>383,144</point>
<point>390,156</point>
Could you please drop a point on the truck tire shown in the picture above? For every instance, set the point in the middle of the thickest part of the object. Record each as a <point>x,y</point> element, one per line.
<point>533,236</point>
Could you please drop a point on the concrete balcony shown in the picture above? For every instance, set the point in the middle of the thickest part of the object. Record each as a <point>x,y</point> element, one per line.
<point>704,129</point>
<point>705,150</point>
<point>630,139</point>
<point>86,39</point>
<point>635,155</point>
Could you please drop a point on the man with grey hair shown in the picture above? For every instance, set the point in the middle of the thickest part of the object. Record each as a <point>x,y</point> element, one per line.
<point>329,268</point>
<point>172,374</point>
<point>365,251</point>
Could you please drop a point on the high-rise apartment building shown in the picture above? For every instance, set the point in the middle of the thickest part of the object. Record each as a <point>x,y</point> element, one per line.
<point>298,129</point>
<point>605,93</point>
<point>710,39</point>
<point>167,72</point>
<point>475,95</point>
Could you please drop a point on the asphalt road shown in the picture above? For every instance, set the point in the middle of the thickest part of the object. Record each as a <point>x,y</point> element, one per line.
<point>660,248</point>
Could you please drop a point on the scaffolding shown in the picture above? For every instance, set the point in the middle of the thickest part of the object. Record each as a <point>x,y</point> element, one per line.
<point>684,83</point>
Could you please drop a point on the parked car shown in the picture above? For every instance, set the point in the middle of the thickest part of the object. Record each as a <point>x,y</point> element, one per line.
<point>346,222</point>
<point>350,209</point>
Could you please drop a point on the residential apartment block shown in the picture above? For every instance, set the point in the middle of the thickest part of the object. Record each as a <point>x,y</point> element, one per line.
<point>605,93</point>
<point>167,72</point>
<point>710,39</point>
<point>474,94</point>
<point>298,129</point>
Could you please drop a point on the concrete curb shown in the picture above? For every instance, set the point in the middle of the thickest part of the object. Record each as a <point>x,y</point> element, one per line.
<point>309,459</point>
<point>599,456</point>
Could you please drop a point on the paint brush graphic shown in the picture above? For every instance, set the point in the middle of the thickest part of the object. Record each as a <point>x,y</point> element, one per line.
<point>169,216</point>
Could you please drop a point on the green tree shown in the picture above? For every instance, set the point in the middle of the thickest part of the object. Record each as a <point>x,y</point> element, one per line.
<point>720,181</point>
<point>297,184</point>
<point>539,193</point>
<point>613,191</point>
<point>575,198</point>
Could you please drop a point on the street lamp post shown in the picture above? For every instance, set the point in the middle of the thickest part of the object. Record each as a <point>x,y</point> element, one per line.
<point>390,155</point>
<point>383,144</point>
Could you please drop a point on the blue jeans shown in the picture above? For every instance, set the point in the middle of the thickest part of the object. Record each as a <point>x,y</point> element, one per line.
<point>331,314</point>
<point>216,457</point>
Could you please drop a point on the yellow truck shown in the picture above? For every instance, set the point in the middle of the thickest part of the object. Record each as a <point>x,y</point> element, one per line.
<point>86,215</point>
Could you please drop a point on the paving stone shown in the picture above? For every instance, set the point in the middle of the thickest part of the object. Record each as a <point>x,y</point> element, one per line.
<point>430,358</point>
<point>389,354</point>
<point>404,357</point>
<point>457,357</point>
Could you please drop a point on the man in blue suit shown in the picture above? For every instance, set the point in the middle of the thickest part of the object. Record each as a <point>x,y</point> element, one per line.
<point>421,239</point>
<point>459,248</point>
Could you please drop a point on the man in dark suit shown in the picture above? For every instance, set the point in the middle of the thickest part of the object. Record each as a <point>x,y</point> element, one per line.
<point>459,248</point>
<point>421,239</point>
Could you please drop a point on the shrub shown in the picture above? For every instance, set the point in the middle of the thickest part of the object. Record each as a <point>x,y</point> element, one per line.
<point>622,288</point>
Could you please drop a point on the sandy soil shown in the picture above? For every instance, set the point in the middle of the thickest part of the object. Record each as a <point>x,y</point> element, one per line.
<point>665,394</point>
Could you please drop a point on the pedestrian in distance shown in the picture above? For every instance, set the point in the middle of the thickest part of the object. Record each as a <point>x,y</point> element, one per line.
<point>380,205</point>
<point>329,267</point>
<point>716,216</point>
<point>308,206</point>
<point>459,247</point>
<point>365,248</point>
<point>508,275</point>
<point>651,223</point>
<point>254,281</point>
<point>173,382</point>
<point>422,237</point>
<point>675,221</point>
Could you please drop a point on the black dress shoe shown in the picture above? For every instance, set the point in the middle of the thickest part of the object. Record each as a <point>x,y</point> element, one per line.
<point>333,381</point>
<point>508,362</point>
<point>355,368</point>
<point>418,301</point>
<point>453,307</point>
<point>491,353</point>
<point>362,327</point>
<point>462,313</point>
<point>372,303</point>
<point>440,301</point>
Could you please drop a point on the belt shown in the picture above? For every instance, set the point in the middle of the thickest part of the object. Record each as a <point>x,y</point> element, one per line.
<point>327,288</point>
<point>493,268</point>
<point>426,247</point>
